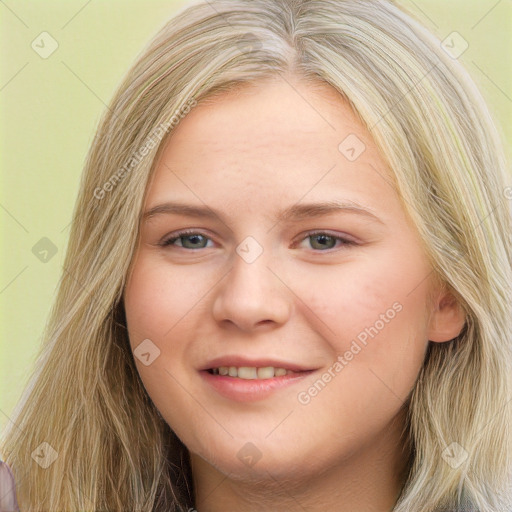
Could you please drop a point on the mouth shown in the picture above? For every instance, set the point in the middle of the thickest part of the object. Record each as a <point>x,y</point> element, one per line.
<point>248,383</point>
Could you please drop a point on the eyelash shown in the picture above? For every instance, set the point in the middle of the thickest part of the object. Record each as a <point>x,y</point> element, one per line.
<point>168,242</point>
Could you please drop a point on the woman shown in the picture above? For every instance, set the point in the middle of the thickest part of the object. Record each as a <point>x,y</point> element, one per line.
<point>207,350</point>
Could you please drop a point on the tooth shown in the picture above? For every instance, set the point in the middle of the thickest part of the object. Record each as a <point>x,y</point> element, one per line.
<point>246,372</point>
<point>249,372</point>
<point>266,372</point>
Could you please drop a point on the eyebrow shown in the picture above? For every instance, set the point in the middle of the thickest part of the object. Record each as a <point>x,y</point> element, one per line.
<point>296,212</point>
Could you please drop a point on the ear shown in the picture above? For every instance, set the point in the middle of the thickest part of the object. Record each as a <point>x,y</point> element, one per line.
<point>447,317</point>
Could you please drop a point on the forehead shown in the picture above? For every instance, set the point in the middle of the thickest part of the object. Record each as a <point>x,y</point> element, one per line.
<point>270,114</point>
<point>278,139</point>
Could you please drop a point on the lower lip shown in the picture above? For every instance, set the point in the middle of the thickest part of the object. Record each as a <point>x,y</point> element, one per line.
<point>249,390</point>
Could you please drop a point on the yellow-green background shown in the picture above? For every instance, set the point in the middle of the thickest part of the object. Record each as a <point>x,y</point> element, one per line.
<point>50,108</point>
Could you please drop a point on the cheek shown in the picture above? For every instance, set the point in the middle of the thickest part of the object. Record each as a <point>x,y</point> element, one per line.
<point>387,289</point>
<point>160,300</point>
<point>375,317</point>
<point>157,310</point>
<point>153,311</point>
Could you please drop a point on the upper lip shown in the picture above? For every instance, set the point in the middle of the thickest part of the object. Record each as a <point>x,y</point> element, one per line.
<point>234,360</point>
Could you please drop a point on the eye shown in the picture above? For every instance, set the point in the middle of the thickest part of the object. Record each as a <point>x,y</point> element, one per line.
<point>188,239</point>
<point>322,241</point>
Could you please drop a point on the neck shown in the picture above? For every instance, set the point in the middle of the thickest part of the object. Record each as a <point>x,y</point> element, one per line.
<point>368,481</point>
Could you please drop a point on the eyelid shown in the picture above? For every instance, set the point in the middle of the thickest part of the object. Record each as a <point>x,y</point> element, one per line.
<point>342,236</point>
<point>345,240</point>
<point>165,242</point>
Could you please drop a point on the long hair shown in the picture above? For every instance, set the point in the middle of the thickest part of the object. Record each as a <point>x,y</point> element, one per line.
<point>86,436</point>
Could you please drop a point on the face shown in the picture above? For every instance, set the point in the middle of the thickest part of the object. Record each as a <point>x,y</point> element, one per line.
<point>277,304</point>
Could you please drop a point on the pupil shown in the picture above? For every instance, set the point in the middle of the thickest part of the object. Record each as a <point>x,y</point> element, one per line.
<point>195,239</point>
<point>322,239</point>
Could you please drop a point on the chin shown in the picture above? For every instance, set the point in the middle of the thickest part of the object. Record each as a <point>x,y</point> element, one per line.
<point>248,460</point>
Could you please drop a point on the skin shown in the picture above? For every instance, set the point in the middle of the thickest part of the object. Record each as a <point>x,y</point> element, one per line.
<point>249,154</point>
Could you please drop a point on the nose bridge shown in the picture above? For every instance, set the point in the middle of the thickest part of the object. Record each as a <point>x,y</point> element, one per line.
<point>250,275</point>
<point>251,264</point>
<point>251,293</point>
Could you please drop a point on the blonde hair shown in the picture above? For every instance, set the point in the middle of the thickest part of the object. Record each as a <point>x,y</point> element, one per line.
<point>86,399</point>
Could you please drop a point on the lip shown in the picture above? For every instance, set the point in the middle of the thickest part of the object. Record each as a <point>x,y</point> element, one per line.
<point>250,390</point>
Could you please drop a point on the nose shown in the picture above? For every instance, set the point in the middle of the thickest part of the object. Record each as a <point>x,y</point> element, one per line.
<point>252,296</point>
